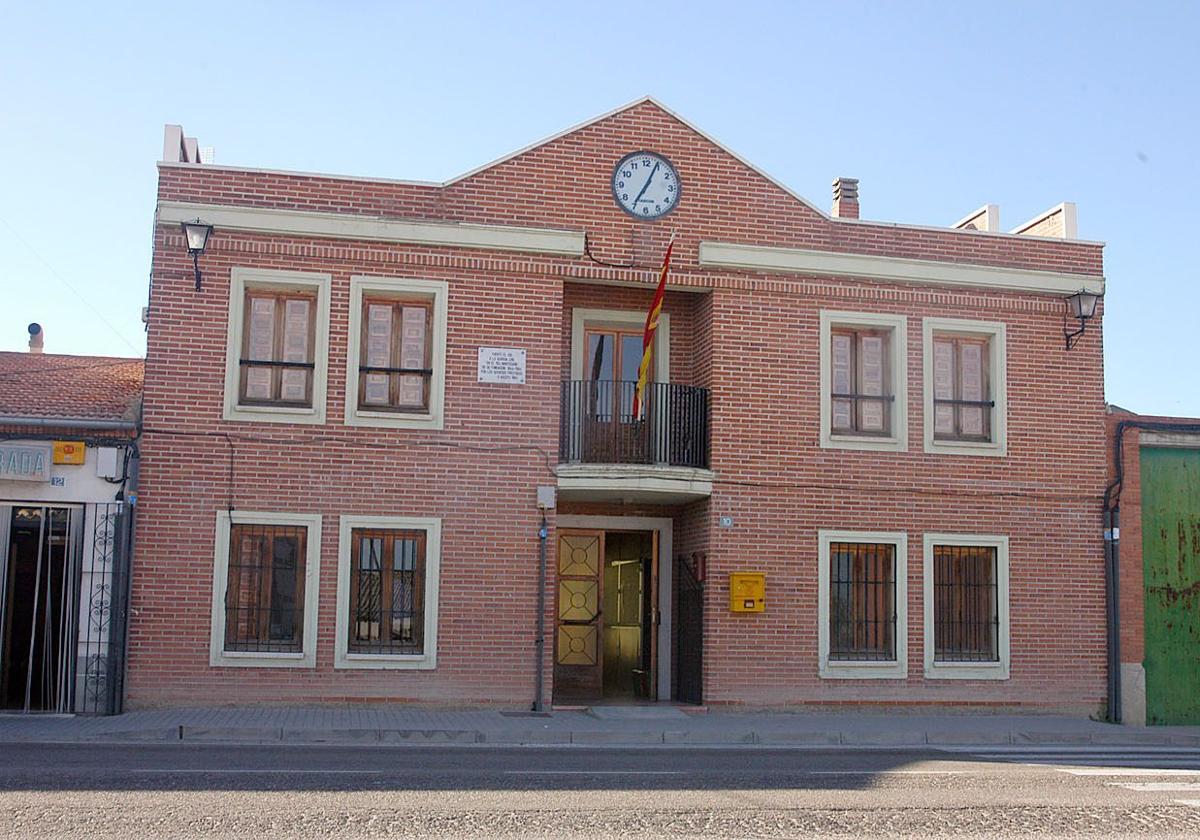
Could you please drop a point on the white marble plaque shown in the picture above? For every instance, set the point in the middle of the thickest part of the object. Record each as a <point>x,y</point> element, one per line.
<point>505,365</point>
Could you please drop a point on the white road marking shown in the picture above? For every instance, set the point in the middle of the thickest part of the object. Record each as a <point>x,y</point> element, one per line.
<point>737,772</point>
<point>1159,787</point>
<point>1065,749</point>
<point>1125,771</point>
<point>1194,803</point>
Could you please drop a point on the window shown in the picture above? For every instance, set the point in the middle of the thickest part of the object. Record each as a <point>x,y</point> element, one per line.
<point>966,607</point>
<point>862,610</point>
<point>965,373</point>
<point>863,381</point>
<point>387,596</point>
<point>860,398</point>
<point>397,356</point>
<point>277,348</point>
<point>264,600</point>
<point>393,366</point>
<point>387,601</point>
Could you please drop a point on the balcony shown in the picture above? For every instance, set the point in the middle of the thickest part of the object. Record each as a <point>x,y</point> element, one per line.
<point>605,453</point>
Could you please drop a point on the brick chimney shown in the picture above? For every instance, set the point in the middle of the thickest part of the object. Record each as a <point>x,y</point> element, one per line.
<point>845,198</point>
<point>36,339</point>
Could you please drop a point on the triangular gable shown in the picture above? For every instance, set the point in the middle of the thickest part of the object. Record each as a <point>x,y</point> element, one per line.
<point>645,100</point>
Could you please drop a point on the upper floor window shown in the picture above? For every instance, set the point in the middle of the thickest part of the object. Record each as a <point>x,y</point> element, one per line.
<point>965,388</point>
<point>394,355</point>
<point>863,381</point>
<point>860,397</point>
<point>396,359</point>
<point>277,346</point>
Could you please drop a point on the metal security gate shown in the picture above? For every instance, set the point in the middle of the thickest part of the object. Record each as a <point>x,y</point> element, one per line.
<point>688,664</point>
<point>62,594</point>
<point>1171,556</point>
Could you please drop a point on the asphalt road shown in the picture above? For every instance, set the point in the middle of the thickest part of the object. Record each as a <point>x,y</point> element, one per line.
<point>221,791</point>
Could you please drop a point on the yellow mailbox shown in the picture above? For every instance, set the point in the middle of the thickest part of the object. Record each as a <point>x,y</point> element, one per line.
<point>747,592</point>
<point>69,451</point>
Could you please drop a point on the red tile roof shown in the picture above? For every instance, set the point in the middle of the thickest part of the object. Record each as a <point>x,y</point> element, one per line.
<point>49,385</point>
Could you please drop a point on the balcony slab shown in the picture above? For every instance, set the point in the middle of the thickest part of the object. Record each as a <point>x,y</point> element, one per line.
<point>649,483</point>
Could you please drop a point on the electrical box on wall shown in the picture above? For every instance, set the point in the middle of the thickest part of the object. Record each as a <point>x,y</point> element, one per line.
<point>108,464</point>
<point>747,592</point>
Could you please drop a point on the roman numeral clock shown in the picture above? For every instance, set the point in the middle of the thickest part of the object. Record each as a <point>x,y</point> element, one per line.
<point>645,185</point>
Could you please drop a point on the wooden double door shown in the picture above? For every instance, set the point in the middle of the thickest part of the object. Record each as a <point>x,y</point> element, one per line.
<point>606,616</point>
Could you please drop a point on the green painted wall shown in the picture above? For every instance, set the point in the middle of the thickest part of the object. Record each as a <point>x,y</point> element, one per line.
<point>1171,554</point>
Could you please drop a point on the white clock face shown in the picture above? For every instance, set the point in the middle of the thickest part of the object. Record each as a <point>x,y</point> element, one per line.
<point>645,185</point>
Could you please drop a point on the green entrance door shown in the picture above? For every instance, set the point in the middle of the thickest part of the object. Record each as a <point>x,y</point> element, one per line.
<point>1171,554</point>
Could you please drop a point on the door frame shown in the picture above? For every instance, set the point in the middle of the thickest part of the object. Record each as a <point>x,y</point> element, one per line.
<point>663,527</point>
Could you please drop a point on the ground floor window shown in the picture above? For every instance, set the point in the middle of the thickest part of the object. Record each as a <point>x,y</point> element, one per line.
<point>387,598</point>
<point>264,606</point>
<point>388,570</point>
<point>264,596</point>
<point>863,614</point>
<point>966,607</point>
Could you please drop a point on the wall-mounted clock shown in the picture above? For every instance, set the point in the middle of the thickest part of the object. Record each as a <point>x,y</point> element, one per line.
<point>645,185</point>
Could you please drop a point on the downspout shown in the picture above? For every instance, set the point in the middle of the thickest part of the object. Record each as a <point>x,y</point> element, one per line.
<point>539,644</point>
<point>1112,591</point>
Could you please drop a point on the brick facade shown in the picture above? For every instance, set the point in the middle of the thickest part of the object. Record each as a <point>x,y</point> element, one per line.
<point>749,336</point>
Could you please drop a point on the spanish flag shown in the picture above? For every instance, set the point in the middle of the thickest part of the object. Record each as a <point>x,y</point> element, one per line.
<point>639,395</point>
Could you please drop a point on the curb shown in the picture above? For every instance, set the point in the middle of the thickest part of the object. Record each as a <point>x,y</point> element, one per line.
<point>801,739</point>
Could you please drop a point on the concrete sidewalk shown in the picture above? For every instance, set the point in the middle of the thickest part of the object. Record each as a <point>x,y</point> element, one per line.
<point>614,725</point>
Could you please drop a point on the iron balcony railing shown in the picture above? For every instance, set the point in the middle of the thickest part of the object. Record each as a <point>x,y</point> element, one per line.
<point>597,424</point>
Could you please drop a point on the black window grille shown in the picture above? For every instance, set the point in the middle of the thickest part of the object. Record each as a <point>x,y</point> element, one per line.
<point>862,602</point>
<point>966,614</point>
<point>387,592</point>
<point>264,595</point>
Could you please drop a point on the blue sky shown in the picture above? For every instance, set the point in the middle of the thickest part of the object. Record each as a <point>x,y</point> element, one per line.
<point>936,108</point>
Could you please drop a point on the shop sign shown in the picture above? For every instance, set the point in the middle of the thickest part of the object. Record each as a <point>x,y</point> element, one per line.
<point>25,462</point>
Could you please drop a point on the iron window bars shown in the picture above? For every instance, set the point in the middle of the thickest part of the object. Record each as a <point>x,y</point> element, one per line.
<point>862,602</point>
<point>966,610</point>
<point>264,594</point>
<point>387,592</point>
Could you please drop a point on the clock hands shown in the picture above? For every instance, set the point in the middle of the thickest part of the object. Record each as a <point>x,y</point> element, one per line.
<point>646,185</point>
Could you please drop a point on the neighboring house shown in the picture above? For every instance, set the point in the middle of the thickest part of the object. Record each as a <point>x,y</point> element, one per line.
<point>68,428</point>
<point>868,471</point>
<point>1154,497</point>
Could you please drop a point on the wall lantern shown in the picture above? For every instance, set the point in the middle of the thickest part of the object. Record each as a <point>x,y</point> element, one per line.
<point>1081,305</point>
<point>196,233</point>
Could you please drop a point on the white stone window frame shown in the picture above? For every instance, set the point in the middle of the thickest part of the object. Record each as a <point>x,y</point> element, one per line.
<point>866,669</point>
<point>897,325</point>
<point>307,657</point>
<point>999,670</point>
<point>241,279</point>
<point>438,291</point>
<point>426,661</point>
<point>996,334</point>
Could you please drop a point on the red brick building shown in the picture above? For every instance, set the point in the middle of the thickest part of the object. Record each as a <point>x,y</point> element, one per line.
<point>867,470</point>
<point>1153,529</point>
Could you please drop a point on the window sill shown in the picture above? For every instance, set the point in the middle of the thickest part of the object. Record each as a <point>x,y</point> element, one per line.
<point>866,444</point>
<point>381,661</point>
<point>966,671</point>
<point>391,420</point>
<point>863,670</point>
<point>998,449</point>
<point>249,659</point>
<point>273,414</point>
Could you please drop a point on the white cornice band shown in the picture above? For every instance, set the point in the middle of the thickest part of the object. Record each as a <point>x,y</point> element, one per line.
<point>344,226</point>
<point>925,272</point>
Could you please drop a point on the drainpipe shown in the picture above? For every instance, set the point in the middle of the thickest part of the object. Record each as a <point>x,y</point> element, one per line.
<point>539,644</point>
<point>1112,573</point>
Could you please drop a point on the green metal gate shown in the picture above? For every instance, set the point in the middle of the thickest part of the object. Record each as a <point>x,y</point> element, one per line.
<point>1171,555</point>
